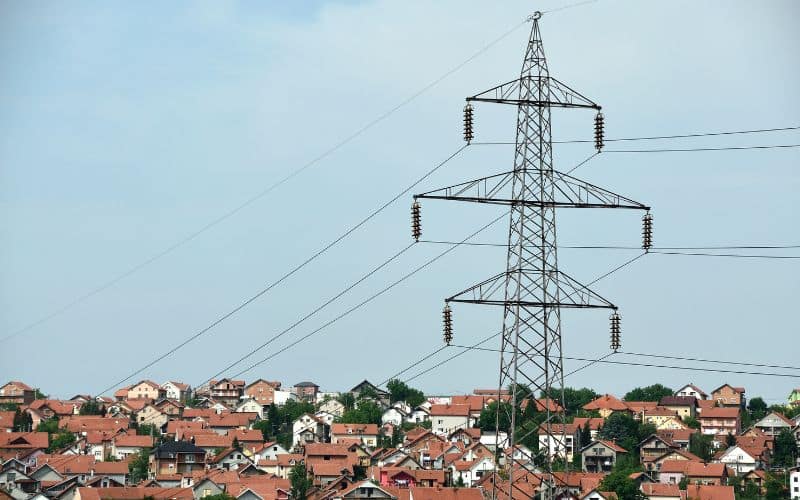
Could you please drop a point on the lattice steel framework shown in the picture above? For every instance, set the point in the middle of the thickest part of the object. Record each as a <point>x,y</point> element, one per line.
<point>532,290</point>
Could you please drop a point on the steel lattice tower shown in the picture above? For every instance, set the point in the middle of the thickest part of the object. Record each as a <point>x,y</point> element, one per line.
<point>532,290</point>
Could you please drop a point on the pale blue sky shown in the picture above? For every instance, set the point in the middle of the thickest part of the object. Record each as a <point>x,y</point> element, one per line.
<point>126,127</point>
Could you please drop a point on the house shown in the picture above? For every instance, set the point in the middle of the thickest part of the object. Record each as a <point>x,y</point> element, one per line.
<point>172,408</point>
<point>365,489</point>
<point>684,406</point>
<point>709,492</point>
<point>17,392</point>
<point>309,429</point>
<point>653,466</point>
<point>332,406</point>
<point>471,472</point>
<point>419,414</point>
<point>446,418</point>
<point>600,456</point>
<point>594,424</point>
<point>720,420</point>
<point>365,388</point>
<point>654,446</point>
<point>177,391</point>
<point>794,483</point>
<point>773,423</point>
<point>727,395</point>
<point>124,445</point>
<point>131,492</point>
<point>150,415</point>
<point>673,471</point>
<point>177,457</point>
<point>562,442</point>
<point>306,391</point>
<point>661,491</point>
<point>606,405</point>
<point>739,459</point>
<point>145,389</point>
<point>394,416</point>
<point>226,391</point>
<point>230,459</point>
<point>662,418</point>
<point>250,406</point>
<point>224,422</point>
<point>366,433</point>
<point>691,390</point>
<point>262,391</point>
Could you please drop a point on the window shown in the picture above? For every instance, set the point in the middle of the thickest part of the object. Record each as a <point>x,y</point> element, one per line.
<point>206,492</point>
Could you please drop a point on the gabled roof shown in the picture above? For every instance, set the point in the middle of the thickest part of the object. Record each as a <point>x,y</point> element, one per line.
<point>719,412</point>
<point>606,402</point>
<point>448,410</point>
<point>678,401</point>
<point>608,444</point>
<point>354,429</point>
<point>696,389</point>
<point>708,492</point>
<point>739,390</point>
<point>21,385</point>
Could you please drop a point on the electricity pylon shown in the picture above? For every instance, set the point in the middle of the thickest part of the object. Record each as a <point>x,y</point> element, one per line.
<point>532,290</point>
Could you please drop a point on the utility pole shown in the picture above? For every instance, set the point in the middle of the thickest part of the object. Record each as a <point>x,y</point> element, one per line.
<point>532,290</point>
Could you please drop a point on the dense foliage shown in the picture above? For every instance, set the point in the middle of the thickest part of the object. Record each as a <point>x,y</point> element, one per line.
<point>625,430</point>
<point>399,391</point>
<point>300,482</point>
<point>650,393</point>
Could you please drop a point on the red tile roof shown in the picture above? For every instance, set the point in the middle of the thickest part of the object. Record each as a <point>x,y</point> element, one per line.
<point>719,412</point>
<point>450,410</point>
<point>700,492</point>
<point>606,402</point>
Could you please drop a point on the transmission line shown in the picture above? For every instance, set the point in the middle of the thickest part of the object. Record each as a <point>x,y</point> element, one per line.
<point>688,150</point>
<point>297,268</point>
<point>654,137</point>
<point>620,247</point>
<point>717,361</point>
<point>230,213</point>
<point>602,276</point>
<point>370,298</point>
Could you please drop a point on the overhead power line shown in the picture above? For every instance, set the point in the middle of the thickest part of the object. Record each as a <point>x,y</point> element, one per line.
<point>735,255</point>
<point>313,312</point>
<point>261,194</point>
<point>689,150</point>
<point>294,270</point>
<point>368,299</point>
<point>654,137</point>
<point>621,247</point>
<point>455,356</point>
<point>652,365</point>
<point>716,361</point>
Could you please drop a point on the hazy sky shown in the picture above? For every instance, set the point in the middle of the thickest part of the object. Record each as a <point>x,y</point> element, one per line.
<point>124,128</point>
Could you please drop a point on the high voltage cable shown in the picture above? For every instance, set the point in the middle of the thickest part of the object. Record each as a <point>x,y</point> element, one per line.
<point>602,276</point>
<point>689,150</point>
<point>313,312</point>
<point>412,365</point>
<point>264,192</point>
<point>290,273</point>
<point>717,361</point>
<point>734,255</point>
<point>652,138</point>
<point>651,365</point>
<point>620,247</point>
<point>369,299</point>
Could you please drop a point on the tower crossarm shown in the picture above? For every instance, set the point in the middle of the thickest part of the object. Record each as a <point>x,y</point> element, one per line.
<point>572,294</point>
<point>568,192</point>
<point>559,95</point>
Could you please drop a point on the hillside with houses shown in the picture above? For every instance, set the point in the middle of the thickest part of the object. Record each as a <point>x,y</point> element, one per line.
<point>259,440</point>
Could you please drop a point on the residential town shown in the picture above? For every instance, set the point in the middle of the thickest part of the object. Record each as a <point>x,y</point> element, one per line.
<point>260,440</point>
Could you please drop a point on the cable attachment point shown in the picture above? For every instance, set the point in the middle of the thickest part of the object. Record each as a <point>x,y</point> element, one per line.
<point>535,16</point>
<point>468,120</point>
<point>616,343</point>
<point>599,122</point>
<point>447,315</point>
<point>416,220</point>
<point>647,232</point>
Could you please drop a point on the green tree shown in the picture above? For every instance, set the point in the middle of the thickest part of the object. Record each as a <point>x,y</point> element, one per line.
<point>701,445</point>
<point>488,418</point>
<point>620,483</point>
<point>22,421</point>
<point>785,449</point>
<point>683,483</point>
<point>586,435</point>
<point>776,487</point>
<point>399,391</point>
<point>459,483</point>
<point>235,444</point>
<point>692,422</point>
<point>758,408</point>
<point>650,393</point>
<point>574,399</point>
<point>139,465</point>
<point>60,440</point>
<point>624,430</point>
<point>367,412</point>
<point>265,426</point>
<point>49,426</point>
<point>148,430</point>
<point>730,440</point>
<point>348,400</point>
<point>91,408</point>
<point>298,477</point>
